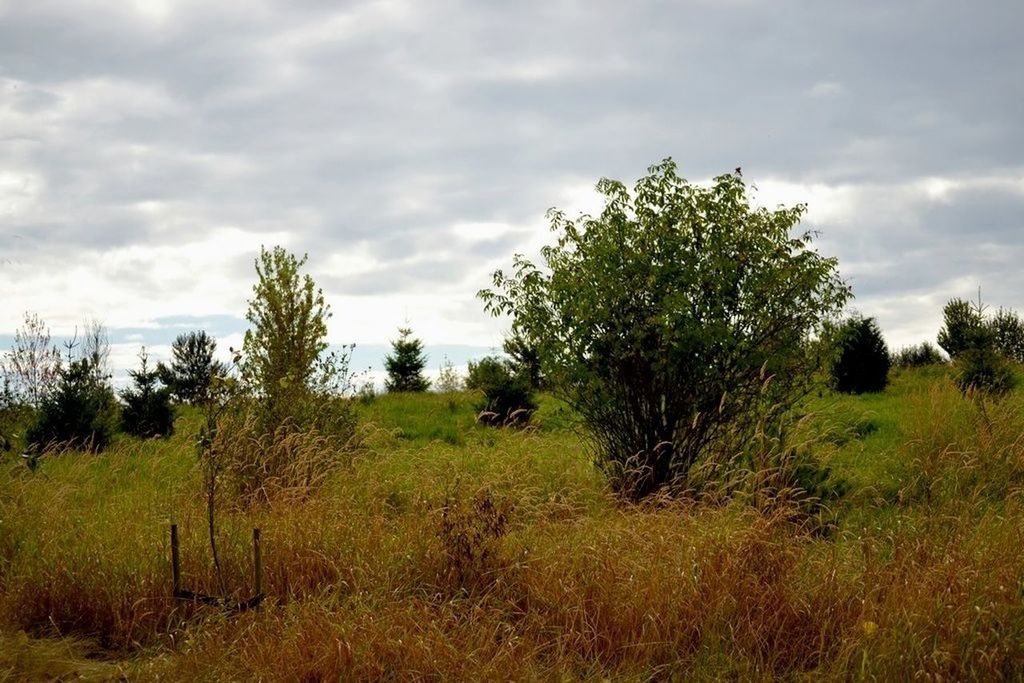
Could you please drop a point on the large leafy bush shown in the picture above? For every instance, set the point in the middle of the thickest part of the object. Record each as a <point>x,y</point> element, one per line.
<point>286,364</point>
<point>675,322</point>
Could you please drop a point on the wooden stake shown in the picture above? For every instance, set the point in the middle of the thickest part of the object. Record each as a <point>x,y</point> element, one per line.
<point>175,563</point>
<point>257,560</point>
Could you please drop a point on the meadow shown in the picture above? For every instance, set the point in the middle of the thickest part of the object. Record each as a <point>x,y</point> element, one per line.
<point>444,550</point>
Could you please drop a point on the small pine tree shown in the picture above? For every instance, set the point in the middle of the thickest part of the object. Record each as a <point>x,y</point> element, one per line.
<point>983,370</point>
<point>192,367</point>
<point>862,359</point>
<point>963,327</point>
<point>405,364</point>
<point>525,357</point>
<point>80,412</point>
<point>1007,331</point>
<point>147,410</point>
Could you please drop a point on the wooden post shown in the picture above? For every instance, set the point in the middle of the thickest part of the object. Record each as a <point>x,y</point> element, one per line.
<point>175,564</point>
<point>257,560</point>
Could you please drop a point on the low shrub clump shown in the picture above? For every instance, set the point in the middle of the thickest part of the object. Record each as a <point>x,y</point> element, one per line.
<point>981,347</point>
<point>985,370</point>
<point>918,355</point>
<point>469,528</point>
<point>507,396</point>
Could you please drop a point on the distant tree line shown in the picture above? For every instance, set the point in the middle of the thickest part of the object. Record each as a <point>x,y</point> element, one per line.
<point>54,398</point>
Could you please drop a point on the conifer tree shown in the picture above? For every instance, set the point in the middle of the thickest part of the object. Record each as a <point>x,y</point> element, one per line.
<point>147,408</point>
<point>192,367</point>
<point>405,364</point>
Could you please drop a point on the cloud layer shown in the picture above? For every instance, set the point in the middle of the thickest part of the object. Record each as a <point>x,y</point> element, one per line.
<point>148,148</point>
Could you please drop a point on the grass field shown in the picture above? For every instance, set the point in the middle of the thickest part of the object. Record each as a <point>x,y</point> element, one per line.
<point>447,550</point>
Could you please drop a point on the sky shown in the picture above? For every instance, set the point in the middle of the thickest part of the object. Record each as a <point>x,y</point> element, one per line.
<point>148,148</point>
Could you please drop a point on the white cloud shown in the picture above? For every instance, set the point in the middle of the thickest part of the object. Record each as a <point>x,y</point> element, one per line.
<point>191,278</point>
<point>148,148</point>
<point>826,89</point>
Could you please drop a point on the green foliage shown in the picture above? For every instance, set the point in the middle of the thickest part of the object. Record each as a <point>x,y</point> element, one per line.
<point>525,357</point>
<point>15,419</point>
<point>285,359</point>
<point>862,359</point>
<point>982,347</point>
<point>928,531</point>
<point>918,355</point>
<point>192,367</point>
<point>983,369</point>
<point>284,426</point>
<point>1007,331</point>
<point>673,320</point>
<point>448,379</point>
<point>80,412</point>
<point>963,327</point>
<point>147,410</point>
<point>405,364</point>
<point>508,398</point>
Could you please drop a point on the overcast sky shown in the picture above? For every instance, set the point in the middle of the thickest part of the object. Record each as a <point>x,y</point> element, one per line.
<point>149,147</point>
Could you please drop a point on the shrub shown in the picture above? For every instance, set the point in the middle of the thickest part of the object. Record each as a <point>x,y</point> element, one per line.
<point>981,347</point>
<point>963,327</point>
<point>367,393</point>
<point>525,358</point>
<point>862,360</point>
<point>80,412</point>
<point>671,319</point>
<point>470,529</point>
<point>147,410</point>
<point>918,355</point>
<point>448,379</point>
<point>285,362</point>
<point>405,364</point>
<point>507,395</point>
<point>15,419</point>
<point>1007,331</point>
<point>192,367</point>
<point>288,407</point>
<point>983,369</point>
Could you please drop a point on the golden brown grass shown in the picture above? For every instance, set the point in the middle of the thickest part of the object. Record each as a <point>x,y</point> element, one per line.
<point>504,558</point>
